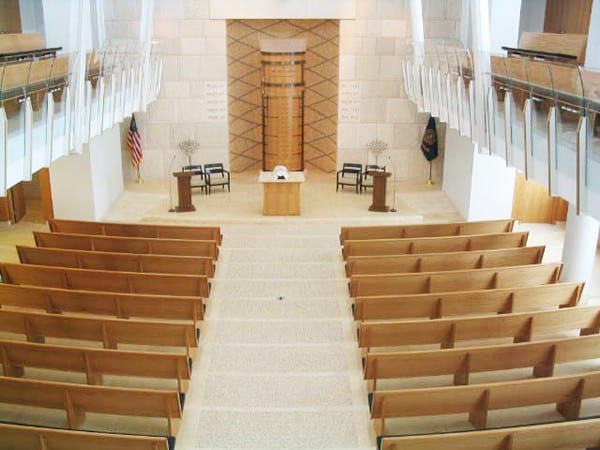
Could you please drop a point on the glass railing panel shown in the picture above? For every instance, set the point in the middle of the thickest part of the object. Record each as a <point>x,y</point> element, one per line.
<point>15,151</point>
<point>591,187</point>
<point>518,87</point>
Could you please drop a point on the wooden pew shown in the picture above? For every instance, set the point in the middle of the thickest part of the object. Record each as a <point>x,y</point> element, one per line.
<point>200,233</point>
<point>521,327</point>
<point>572,434</point>
<point>93,362</point>
<point>77,400</point>
<point>487,301</point>
<point>566,391</point>
<point>541,356</point>
<point>454,280</point>
<point>110,332</point>
<point>105,280</point>
<point>433,262</point>
<point>123,306</point>
<point>21,437</point>
<point>24,42</point>
<point>118,244</point>
<point>380,247</point>
<point>425,230</point>
<point>125,262</point>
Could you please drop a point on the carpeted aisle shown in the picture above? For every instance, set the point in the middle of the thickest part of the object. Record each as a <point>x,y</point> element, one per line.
<point>279,366</point>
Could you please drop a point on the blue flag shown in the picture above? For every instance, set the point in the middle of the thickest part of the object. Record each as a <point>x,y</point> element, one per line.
<point>429,145</point>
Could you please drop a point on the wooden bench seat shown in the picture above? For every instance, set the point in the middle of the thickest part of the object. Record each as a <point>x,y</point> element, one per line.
<point>478,400</point>
<point>94,363</point>
<point>425,230</point>
<point>110,332</point>
<point>22,437</point>
<point>201,233</point>
<point>541,356</point>
<point>454,280</point>
<point>380,247</point>
<point>432,262</point>
<point>123,306</point>
<point>521,327</point>
<point>105,280</point>
<point>118,244</point>
<point>77,400</point>
<point>572,434</point>
<point>487,301</point>
<point>125,262</point>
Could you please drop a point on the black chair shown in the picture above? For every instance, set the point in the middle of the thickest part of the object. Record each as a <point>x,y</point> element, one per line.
<point>197,180</point>
<point>367,180</point>
<point>350,175</point>
<point>216,175</point>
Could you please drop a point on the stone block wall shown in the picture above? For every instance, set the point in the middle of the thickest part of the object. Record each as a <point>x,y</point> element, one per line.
<point>194,51</point>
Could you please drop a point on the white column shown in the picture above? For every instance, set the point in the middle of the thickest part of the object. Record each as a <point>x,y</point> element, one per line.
<point>579,251</point>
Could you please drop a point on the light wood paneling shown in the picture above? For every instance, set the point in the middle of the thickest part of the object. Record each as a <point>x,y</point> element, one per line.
<point>567,16</point>
<point>10,16</point>
<point>532,203</point>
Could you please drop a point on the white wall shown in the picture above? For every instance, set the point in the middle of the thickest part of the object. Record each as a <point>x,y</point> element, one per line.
<point>592,55</point>
<point>533,13</point>
<point>458,170</point>
<point>504,24</point>
<point>107,178</point>
<point>492,188</point>
<point>61,20</point>
<point>274,9</point>
<point>84,186</point>
<point>32,16</point>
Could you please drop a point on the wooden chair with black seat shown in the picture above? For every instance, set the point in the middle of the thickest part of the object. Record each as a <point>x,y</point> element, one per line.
<point>349,175</point>
<point>216,175</point>
<point>197,180</point>
<point>367,180</point>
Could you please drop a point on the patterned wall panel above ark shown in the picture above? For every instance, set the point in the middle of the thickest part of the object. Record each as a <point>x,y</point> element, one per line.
<point>321,98</point>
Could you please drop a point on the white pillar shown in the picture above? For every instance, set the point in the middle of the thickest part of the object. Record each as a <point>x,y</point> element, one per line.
<point>579,251</point>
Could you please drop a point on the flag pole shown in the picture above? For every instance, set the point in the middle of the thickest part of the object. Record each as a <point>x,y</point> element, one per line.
<point>140,180</point>
<point>430,182</point>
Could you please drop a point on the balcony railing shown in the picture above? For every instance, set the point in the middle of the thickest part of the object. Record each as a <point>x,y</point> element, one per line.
<point>40,121</point>
<point>541,117</point>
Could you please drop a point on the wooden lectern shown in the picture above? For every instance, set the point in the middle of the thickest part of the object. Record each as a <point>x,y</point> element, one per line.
<point>379,188</point>
<point>184,191</point>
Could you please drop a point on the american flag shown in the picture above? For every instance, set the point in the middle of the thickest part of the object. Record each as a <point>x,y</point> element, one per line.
<point>134,143</point>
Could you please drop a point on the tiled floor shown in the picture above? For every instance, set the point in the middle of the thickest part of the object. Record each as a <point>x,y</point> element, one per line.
<point>279,366</point>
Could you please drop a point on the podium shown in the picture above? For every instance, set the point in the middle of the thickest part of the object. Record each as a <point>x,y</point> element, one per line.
<point>379,188</point>
<point>184,191</point>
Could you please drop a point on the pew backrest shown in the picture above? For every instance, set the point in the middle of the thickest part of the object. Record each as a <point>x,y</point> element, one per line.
<point>21,42</point>
<point>454,280</point>
<point>425,230</point>
<point>583,433</point>
<point>93,362</point>
<point>124,262</point>
<point>209,233</point>
<point>432,262</point>
<point>77,400</point>
<point>105,280</point>
<point>487,301</point>
<point>121,305</point>
<point>39,438</point>
<point>378,247</point>
<point>521,327</point>
<point>566,391</point>
<point>119,244</point>
<point>542,356</point>
<point>110,332</point>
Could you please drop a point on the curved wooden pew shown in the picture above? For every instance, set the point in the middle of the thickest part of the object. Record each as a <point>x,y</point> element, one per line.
<point>454,280</point>
<point>542,356</point>
<point>425,230</point>
<point>582,433</point>
<point>121,305</point>
<point>446,332</point>
<point>110,332</point>
<point>13,437</point>
<point>93,362</point>
<point>433,262</point>
<point>197,233</point>
<point>477,400</point>
<point>77,400</point>
<point>118,244</point>
<point>105,280</point>
<point>379,247</point>
<point>124,262</point>
<point>487,301</point>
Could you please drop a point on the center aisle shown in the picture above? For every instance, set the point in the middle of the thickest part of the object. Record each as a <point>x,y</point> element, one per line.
<point>279,366</point>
